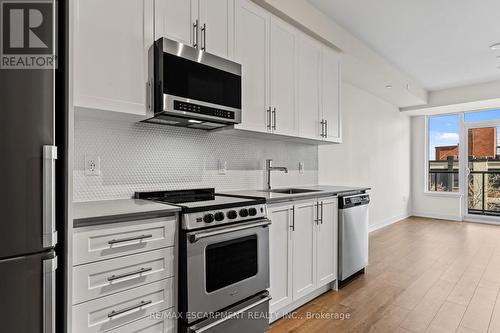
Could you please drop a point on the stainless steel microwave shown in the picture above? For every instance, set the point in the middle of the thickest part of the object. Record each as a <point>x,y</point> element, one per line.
<point>192,88</point>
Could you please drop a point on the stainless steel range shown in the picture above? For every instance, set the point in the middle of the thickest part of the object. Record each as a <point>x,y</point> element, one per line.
<point>223,260</point>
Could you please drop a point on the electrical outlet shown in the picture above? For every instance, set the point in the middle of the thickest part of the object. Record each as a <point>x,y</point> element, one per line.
<point>92,165</point>
<point>301,167</point>
<point>222,165</point>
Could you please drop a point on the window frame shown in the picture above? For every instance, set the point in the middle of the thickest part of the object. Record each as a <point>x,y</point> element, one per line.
<point>460,154</point>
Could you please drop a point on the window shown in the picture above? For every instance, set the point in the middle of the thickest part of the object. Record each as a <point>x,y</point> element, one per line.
<point>443,153</point>
<point>482,115</point>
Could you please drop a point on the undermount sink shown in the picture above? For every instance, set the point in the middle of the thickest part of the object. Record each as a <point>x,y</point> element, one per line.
<point>292,190</point>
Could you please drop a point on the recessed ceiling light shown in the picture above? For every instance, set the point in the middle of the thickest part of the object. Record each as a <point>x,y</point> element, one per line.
<point>194,121</point>
<point>495,46</point>
<point>389,86</point>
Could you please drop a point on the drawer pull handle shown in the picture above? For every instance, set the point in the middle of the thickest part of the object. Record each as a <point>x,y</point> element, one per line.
<point>120,276</point>
<point>127,309</point>
<point>122,240</point>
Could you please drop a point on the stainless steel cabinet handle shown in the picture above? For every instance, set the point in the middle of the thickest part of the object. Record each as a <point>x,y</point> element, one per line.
<point>321,212</point>
<point>121,240</point>
<point>293,219</point>
<point>269,118</point>
<point>326,128</point>
<point>127,309</point>
<point>204,36</point>
<point>230,316</point>
<point>194,237</point>
<point>322,128</point>
<point>195,34</point>
<point>49,237</point>
<point>49,295</point>
<point>274,118</point>
<point>316,220</point>
<point>121,276</point>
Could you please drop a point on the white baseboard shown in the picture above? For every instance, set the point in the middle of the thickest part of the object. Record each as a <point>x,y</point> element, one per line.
<point>387,222</point>
<point>438,216</point>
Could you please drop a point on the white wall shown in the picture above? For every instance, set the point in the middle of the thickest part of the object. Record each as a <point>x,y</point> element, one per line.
<point>375,152</point>
<point>445,206</point>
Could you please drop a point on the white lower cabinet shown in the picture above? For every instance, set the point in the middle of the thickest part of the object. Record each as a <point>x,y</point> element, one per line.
<point>303,249</point>
<point>280,261</point>
<point>327,242</point>
<point>110,312</point>
<point>124,277</point>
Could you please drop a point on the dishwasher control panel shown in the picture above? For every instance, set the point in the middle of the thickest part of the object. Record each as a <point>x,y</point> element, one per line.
<point>354,200</point>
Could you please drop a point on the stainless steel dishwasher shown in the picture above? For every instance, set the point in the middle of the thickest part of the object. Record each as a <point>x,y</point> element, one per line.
<point>353,235</point>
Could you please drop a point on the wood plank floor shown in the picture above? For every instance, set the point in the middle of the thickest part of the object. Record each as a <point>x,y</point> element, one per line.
<point>424,276</point>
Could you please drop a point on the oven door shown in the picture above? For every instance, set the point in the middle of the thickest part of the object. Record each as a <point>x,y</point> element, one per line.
<point>226,265</point>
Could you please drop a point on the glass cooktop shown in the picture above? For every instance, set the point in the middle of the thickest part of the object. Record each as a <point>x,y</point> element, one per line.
<point>199,199</point>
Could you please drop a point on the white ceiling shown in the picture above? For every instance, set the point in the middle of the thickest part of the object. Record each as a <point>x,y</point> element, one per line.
<point>440,43</point>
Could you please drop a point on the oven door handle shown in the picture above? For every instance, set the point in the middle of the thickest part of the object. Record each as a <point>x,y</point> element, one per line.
<point>193,238</point>
<point>232,315</point>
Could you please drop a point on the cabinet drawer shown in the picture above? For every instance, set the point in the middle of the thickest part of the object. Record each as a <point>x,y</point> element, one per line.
<point>150,325</point>
<point>110,312</point>
<point>110,276</point>
<point>102,242</point>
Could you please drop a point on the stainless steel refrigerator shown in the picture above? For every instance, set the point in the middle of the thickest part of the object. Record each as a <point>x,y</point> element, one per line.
<point>28,236</point>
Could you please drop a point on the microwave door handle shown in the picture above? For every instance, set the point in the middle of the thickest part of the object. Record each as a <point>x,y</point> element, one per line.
<point>193,238</point>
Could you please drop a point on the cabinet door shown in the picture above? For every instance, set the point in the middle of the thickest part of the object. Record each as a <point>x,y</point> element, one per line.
<point>304,249</point>
<point>282,77</point>
<point>215,22</point>
<point>326,241</point>
<point>111,42</point>
<point>331,94</point>
<point>175,18</point>
<point>251,51</point>
<point>308,84</point>
<point>280,251</point>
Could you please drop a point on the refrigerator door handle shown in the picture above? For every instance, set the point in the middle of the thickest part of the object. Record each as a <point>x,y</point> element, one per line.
<point>49,196</point>
<point>49,295</point>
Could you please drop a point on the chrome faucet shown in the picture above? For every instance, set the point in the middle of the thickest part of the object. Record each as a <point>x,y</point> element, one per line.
<point>269,168</point>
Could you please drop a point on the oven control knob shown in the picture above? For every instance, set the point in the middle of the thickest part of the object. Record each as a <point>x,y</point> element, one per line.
<point>252,211</point>
<point>208,218</point>
<point>219,216</point>
<point>232,214</point>
<point>243,212</point>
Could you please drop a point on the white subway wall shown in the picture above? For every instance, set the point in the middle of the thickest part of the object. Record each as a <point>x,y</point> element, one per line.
<point>375,152</point>
<point>425,204</point>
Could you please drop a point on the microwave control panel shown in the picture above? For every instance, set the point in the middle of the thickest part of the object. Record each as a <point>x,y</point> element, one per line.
<point>201,109</point>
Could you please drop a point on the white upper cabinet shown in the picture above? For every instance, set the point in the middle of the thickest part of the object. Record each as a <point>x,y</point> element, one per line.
<point>331,95</point>
<point>251,44</point>
<point>204,24</point>
<point>326,242</point>
<point>290,81</point>
<point>110,54</point>
<point>176,19</point>
<point>215,19</point>
<point>282,78</point>
<point>308,77</point>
